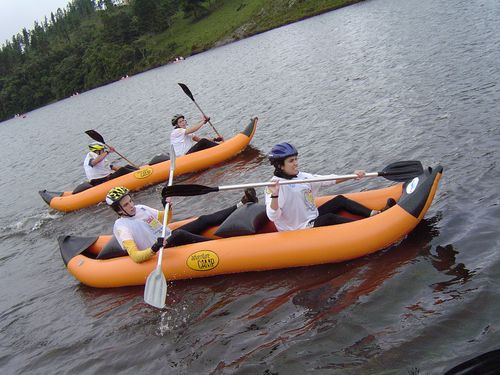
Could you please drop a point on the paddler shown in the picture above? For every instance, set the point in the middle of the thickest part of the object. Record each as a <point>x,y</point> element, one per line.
<point>184,139</point>
<point>292,206</point>
<point>97,167</point>
<point>138,228</point>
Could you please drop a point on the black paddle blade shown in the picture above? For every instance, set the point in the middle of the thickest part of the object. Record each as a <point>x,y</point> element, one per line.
<point>186,190</point>
<point>95,136</point>
<point>401,171</point>
<point>186,90</point>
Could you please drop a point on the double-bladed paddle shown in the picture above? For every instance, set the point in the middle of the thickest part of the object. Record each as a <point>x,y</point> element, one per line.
<point>155,291</point>
<point>188,93</point>
<point>399,171</point>
<point>99,138</point>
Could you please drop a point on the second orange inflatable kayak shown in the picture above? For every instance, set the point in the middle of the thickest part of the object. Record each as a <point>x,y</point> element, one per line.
<point>152,174</point>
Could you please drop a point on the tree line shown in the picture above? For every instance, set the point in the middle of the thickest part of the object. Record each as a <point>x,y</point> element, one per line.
<point>85,45</point>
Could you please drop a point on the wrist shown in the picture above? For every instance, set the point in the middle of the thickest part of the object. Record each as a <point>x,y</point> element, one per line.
<point>274,195</point>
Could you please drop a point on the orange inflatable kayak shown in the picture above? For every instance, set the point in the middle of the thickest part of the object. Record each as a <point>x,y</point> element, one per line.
<point>266,249</point>
<point>152,173</point>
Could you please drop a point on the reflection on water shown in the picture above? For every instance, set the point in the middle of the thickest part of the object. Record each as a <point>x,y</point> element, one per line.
<point>361,277</point>
<point>444,261</point>
<point>321,294</point>
<point>282,307</point>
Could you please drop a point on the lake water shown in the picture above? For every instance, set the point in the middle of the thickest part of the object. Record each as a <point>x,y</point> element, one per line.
<point>360,87</point>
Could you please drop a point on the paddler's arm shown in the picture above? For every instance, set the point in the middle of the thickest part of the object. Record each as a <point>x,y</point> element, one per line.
<point>138,256</point>
<point>100,157</point>
<point>273,210</point>
<point>360,173</point>
<point>275,190</point>
<point>161,214</point>
<point>197,126</point>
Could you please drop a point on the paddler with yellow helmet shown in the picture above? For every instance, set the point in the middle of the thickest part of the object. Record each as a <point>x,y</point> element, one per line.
<point>139,228</point>
<point>97,167</point>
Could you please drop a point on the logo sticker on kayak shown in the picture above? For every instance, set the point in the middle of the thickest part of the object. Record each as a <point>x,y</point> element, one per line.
<point>203,260</point>
<point>143,173</point>
<point>410,188</point>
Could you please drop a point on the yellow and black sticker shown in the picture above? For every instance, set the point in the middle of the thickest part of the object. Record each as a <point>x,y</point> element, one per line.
<point>143,173</point>
<point>203,260</point>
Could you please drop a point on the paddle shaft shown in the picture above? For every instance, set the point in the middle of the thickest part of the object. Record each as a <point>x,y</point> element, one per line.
<point>188,92</point>
<point>164,230</point>
<point>213,127</point>
<point>155,290</point>
<point>289,182</point>
<point>192,190</point>
<point>400,171</point>
<point>124,158</point>
<point>167,207</point>
<point>99,138</point>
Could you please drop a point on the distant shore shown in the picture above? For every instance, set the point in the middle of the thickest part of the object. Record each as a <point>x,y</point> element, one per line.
<point>64,57</point>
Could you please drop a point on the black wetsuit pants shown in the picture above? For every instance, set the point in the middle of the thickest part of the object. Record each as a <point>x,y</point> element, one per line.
<point>202,144</point>
<point>191,232</point>
<point>328,211</point>
<point>120,172</point>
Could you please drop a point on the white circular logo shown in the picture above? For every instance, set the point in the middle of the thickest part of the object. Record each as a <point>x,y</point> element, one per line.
<point>410,188</point>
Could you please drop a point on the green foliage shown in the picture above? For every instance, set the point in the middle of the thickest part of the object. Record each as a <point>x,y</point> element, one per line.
<point>68,76</point>
<point>153,15</point>
<point>195,9</point>
<point>119,26</point>
<point>94,42</point>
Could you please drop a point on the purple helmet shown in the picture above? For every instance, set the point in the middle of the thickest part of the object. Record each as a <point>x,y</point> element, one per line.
<point>281,151</point>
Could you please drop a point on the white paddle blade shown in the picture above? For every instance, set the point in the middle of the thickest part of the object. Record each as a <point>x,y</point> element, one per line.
<point>155,292</point>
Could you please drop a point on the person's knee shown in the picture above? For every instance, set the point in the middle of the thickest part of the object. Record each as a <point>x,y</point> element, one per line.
<point>206,143</point>
<point>203,219</point>
<point>325,219</point>
<point>340,199</point>
<point>176,237</point>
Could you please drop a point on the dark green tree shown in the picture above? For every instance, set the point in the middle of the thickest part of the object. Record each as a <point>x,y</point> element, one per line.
<point>118,26</point>
<point>85,45</point>
<point>153,15</point>
<point>195,9</point>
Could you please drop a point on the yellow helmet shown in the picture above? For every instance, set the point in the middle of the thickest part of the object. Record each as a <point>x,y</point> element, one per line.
<point>115,195</point>
<point>96,146</point>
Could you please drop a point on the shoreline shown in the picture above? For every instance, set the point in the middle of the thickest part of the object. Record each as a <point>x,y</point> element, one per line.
<point>236,36</point>
<point>227,22</point>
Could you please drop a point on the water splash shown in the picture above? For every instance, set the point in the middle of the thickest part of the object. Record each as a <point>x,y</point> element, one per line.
<point>28,224</point>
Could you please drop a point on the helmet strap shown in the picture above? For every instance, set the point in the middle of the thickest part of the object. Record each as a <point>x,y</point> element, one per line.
<point>120,211</point>
<point>278,172</point>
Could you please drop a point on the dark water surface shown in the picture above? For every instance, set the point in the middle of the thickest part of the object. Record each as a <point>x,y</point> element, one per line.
<point>366,85</point>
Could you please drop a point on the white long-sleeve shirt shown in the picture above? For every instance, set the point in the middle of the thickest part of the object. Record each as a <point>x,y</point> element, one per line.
<point>100,170</point>
<point>143,228</point>
<point>181,141</point>
<point>296,206</point>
